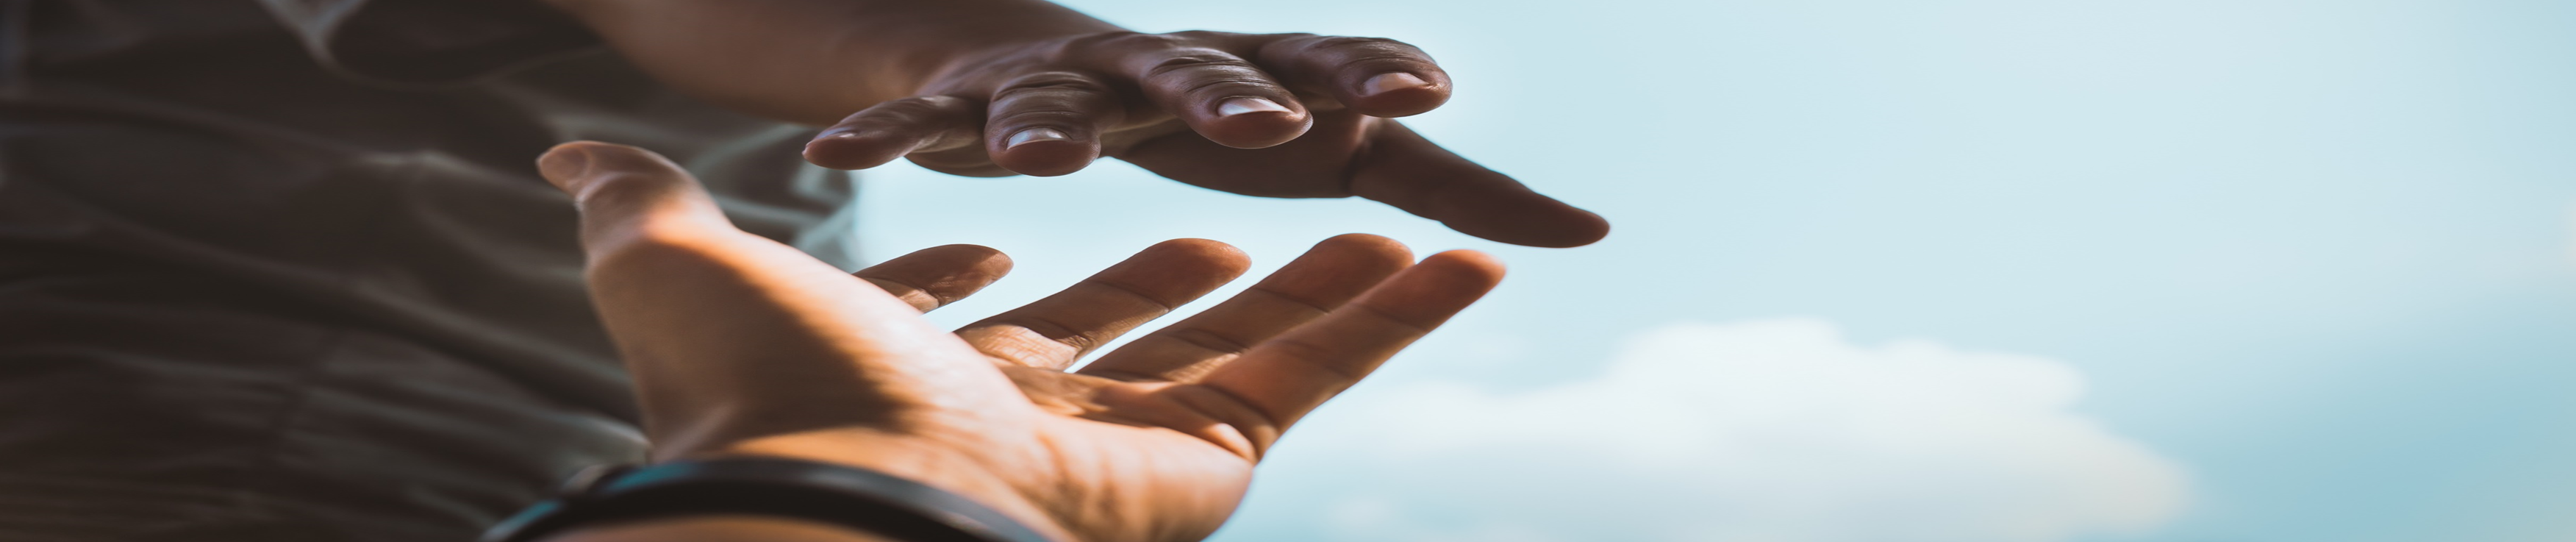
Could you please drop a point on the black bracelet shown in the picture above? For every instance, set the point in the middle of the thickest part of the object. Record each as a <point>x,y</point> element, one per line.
<point>867,500</point>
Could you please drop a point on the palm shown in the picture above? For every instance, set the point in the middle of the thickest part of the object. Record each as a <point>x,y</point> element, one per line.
<point>739,344</point>
<point>1094,463</point>
<point>1137,430</point>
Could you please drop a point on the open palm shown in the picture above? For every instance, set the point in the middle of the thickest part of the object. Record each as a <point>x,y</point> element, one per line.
<point>740,345</point>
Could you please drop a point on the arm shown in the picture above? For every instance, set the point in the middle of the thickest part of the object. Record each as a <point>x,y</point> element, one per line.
<point>1002,87</point>
<point>815,61</point>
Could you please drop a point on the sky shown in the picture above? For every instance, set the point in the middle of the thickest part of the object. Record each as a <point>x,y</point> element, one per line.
<point>1892,271</point>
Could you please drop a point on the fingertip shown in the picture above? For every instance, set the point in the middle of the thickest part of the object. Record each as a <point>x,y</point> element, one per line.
<point>1572,228</point>
<point>1262,124</point>
<point>1390,82</point>
<point>1435,289</point>
<point>941,274</point>
<point>579,167</point>
<point>1045,155</point>
<point>1589,228</point>
<point>1526,218</point>
<point>1215,256</point>
<point>854,150</point>
<point>1466,267</point>
<point>894,129</point>
<point>1342,266</point>
<point>981,260</point>
<point>1399,94</point>
<point>563,163</point>
<point>1376,246</point>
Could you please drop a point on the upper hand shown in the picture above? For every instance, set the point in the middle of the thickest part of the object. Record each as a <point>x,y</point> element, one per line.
<point>1276,115</point>
<point>741,345</point>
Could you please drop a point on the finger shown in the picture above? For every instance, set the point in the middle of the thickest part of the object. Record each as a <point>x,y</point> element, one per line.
<point>1049,123</point>
<point>1055,331</point>
<point>933,277</point>
<point>625,193</point>
<point>890,130</point>
<point>731,335</point>
<point>1288,376</point>
<point>1219,95</point>
<point>1413,174</point>
<point>1327,276</point>
<point>1377,77</point>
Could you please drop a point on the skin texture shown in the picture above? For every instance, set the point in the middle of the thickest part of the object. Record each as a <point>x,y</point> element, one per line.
<point>740,345</point>
<point>1001,87</point>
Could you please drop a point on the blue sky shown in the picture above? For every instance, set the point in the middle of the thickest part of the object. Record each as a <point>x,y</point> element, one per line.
<point>2238,271</point>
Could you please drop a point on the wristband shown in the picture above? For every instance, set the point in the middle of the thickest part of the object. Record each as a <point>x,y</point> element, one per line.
<point>863,499</point>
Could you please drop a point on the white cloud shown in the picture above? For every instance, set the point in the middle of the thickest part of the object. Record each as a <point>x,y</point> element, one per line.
<point>1766,431</point>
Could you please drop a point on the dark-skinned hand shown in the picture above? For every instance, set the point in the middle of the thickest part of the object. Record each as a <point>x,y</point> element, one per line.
<point>1273,115</point>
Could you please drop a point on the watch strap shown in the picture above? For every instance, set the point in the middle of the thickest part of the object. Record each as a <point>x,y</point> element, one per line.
<point>863,499</point>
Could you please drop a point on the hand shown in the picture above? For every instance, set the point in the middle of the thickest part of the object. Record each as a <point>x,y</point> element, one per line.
<point>1274,115</point>
<point>740,345</point>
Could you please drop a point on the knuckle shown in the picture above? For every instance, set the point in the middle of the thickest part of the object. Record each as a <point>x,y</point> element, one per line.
<point>1211,341</point>
<point>1231,86</point>
<point>913,110</point>
<point>1205,35</point>
<point>1197,60</point>
<point>1061,98</point>
<point>1039,112</point>
<point>926,104</point>
<point>1130,41</point>
<point>1319,55</point>
<point>1316,357</point>
<point>1052,81</point>
<point>1286,37</point>
<point>1358,45</point>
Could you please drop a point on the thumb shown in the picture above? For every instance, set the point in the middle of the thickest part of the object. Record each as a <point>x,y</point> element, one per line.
<point>1412,173</point>
<point>731,335</point>
<point>625,193</point>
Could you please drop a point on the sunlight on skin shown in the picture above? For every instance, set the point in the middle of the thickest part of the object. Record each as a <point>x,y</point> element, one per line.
<point>742,345</point>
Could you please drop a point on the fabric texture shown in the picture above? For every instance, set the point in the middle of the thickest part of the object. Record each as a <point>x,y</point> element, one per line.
<point>282,270</point>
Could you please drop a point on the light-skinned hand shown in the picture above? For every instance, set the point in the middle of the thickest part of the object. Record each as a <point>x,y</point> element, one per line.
<point>741,345</point>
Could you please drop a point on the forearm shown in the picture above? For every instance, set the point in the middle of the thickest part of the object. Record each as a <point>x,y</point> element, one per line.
<point>718,529</point>
<point>814,61</point>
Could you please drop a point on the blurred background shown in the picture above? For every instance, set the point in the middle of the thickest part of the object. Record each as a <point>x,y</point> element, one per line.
<point>1895,271</point>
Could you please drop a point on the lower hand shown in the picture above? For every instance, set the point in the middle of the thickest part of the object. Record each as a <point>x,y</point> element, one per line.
<point>741,345</point>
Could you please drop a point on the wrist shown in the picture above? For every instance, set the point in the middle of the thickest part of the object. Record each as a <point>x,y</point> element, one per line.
<point>718,528</point>
<point>947,468</point>
<point>748,495</point>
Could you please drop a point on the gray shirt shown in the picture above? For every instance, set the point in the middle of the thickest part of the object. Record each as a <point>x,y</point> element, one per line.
<point>371,159</point>
<point>283,270</point>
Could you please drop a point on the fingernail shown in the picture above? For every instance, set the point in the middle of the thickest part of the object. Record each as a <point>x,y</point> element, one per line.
<point>820,138</point>
<point>1391,81</point>
<point>1034,134</point>
<point>563,164</point>
<point>1243,105</point>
